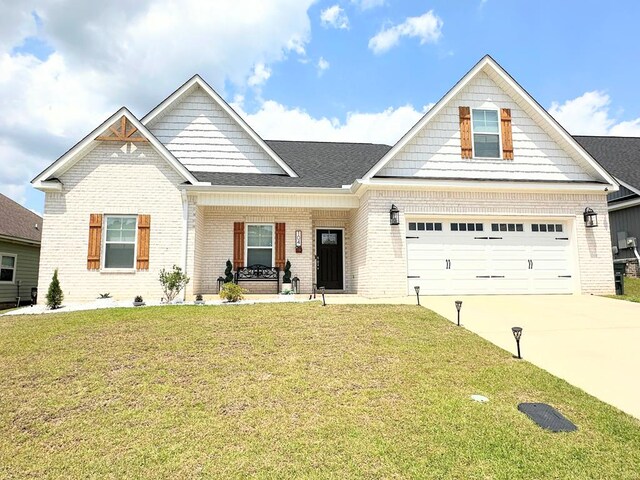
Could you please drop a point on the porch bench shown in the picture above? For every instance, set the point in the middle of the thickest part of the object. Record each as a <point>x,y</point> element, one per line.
<point>258,273</point>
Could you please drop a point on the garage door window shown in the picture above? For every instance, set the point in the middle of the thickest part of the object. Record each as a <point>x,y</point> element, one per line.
<point>467,227</point>
<point>507,227</point>
<point>425,226</point>
<point>546,227</point>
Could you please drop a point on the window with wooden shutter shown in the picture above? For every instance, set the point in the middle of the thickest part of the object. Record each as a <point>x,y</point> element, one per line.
<point>95,241</point>
<point>465,132</point>
<point>144,233</point>
<point>280,245</point>
<point>507,137</point>
<point>238,245</point>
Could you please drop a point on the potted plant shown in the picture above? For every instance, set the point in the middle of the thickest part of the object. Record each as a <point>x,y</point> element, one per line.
<point>228,272</point>
<point>287,288</point>
<point>138,301</point>
<point>199,300</point>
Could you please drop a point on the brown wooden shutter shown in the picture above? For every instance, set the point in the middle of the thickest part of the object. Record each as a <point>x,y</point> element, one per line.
<point>507,137</point>
<point>465,132</point>
<point>238,245</point>
<point>280,245</point>
<point>144,232</point>
<point>95,241</point>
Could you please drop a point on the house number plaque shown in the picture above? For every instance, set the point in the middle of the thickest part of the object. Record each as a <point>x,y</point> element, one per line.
<point>298,241</point>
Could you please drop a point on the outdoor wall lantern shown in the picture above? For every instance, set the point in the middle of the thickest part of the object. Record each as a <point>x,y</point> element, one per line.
<point>458,307</point>
<point>417,289</point>
<point>298,241</point>
<point>220,283</point>
<point>394,215</point>
<point>590,218</point>
<point>517,333</point>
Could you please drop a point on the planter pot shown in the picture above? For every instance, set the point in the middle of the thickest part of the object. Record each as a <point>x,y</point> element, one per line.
<point>287,287</point>
<point>138,304</point>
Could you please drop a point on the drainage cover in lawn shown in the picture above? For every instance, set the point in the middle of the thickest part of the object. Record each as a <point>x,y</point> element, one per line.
<point>547,417</point>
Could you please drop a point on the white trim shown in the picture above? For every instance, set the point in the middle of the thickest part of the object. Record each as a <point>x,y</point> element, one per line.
<point>15,267</point>
<point>273,242</point>
<point>197,80</point>
<point>473,140</point>
<point>344,260</point>
<point>67,160</point>
<point>103,268</point>
<point>490,63</point>
<point>622,205</point>
<point>185,239</point>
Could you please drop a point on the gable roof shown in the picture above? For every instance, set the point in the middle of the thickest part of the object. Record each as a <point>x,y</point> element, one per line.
<point>87,143</point>
<point>491,67</point>
<point>197,80</point>
<point>619,155</point>
<point>18,222</point>
<point>319,164</point>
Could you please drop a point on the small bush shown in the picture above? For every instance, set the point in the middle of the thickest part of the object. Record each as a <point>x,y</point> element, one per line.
<point>54,295</point>
<point>104,295</point>
<point>138,299</point>
<point>198,298</point>
<point>287,272</point>
<point>232,292</point>
<point>228,272</point>
<point>173,282</point>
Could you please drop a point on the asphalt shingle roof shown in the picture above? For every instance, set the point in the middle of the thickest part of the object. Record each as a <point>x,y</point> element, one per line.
<point>620,156</point>
<point>318,164</point>
<point>18,222</point>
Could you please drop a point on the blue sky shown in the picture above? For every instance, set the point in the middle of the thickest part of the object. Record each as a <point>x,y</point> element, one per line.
<point>65,66</point>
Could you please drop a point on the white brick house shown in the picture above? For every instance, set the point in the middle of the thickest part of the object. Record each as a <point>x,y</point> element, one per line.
<point>490,192</point>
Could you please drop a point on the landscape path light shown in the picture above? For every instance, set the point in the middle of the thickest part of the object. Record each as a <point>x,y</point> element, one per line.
<point>458,307</point>
<point>517,333</point>
<point>417,289</point>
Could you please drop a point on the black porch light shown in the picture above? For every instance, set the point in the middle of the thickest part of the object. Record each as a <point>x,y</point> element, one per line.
<point>417,289</point>
<point>394,215</point>
<point>517,333</point>
<point>590,218</point>
<point>458,308</point>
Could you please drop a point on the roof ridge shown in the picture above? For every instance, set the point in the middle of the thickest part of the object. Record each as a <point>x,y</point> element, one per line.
<point>328,141</point>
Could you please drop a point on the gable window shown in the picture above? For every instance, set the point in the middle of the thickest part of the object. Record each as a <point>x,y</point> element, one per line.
<point>7,268</point>
<point>120,241</point>
<point>486,133</point>
<point>260,244</point>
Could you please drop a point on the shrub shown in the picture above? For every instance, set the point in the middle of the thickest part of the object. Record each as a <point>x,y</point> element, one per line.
<point>287,272</point>
<point>198,298</point>
<point>228,272</point>
<point>104,295</point>
<point>138,299</point>
<point>54,295</point>
<point>232,292</point>
<point>173,282</point>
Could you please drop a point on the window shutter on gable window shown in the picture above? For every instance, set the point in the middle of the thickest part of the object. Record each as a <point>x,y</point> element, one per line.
<point>144,233</point>
<point>465,132</point>
<point>280,245</point>
<point>95,241</point>
<point>238,245</point>
<point>507,137</point>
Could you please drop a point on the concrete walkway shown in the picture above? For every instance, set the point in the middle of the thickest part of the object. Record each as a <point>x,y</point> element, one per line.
<point>591,342</point>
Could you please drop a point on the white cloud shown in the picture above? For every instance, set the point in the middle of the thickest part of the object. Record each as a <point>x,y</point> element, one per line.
<point>322,65</point>
<point>367,4</point>
<point>426,27</point>
<point>589,114</point>
<point>276,121</point>
<point>335,17</point>
<point>261,74</point>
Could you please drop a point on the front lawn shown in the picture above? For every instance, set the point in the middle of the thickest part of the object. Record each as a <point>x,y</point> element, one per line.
<point>292,391</point>
<point>631,290</point>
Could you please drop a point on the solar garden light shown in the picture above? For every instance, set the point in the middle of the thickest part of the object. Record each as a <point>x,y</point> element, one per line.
<point>324,304</point>
<point>517,333</point>
<point>458,307</point>
<point>417,289</point>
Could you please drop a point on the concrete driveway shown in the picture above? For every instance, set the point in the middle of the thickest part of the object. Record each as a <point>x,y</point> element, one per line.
<point>591,342</point>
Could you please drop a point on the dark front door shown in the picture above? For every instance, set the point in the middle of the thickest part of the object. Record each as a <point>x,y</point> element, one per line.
<point>329,258</point>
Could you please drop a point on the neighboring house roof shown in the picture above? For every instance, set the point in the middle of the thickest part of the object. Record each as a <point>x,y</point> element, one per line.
<point>619,155</point>
<point>318,164</point>
<point>19,222</point>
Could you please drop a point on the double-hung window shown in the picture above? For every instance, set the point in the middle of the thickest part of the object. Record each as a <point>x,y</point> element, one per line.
<point>486,133</point>
<point>120,241</point>
<point>260,245</point>
<point>7,268</point>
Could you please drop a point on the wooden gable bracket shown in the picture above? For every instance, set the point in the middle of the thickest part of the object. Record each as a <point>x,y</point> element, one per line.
<point>121,134</point>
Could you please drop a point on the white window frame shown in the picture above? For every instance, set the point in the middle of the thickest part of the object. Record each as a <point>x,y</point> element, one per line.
<point>15,267</point>
<point>473,142</point>
<point>273,242</point>
<point>104,243</point>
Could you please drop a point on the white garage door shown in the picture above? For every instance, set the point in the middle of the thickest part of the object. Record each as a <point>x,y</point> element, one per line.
<point>488,256</point>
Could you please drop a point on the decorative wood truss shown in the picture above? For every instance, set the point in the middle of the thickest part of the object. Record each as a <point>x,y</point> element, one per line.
<point>125,133</point>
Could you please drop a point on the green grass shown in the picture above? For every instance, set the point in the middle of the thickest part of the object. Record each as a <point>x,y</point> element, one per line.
<point>286,391</point>
<point>631,291</point>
